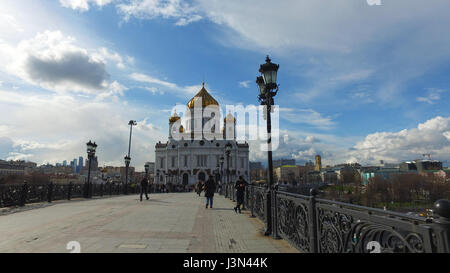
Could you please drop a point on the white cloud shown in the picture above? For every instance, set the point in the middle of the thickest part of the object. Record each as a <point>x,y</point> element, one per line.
<point>52,61</point>
<point>147,79</point>
<point>432,97</point>
<point>180,10</point>
<point>172,87</point>
<point>245,84</point>
<point>52,128</point>
<point>432,136</point>
<point>408,144</point>
<point>106,55</point>
<point>83,5</point>
<point>307,116</point>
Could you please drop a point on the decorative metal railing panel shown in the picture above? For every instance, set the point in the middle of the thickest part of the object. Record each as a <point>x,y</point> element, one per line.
<point>36,193</point>
<point>60,192</point>
<point>19,195</point>
<point>77,191</point>
<point>256,201</point>
<point>10,195</point>
<point>344,227</point>
<point>294,219</point>
<point>325,226</point>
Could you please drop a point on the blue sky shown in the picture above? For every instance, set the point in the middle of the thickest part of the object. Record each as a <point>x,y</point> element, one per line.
<point>358,82</point>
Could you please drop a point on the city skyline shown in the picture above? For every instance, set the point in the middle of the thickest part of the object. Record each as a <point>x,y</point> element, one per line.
<point>375,90</point>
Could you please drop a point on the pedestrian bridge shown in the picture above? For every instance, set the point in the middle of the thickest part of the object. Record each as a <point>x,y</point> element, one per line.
<point>168,222</point>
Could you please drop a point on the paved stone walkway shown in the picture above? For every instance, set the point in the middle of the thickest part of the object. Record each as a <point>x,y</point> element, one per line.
<point>174,222</point>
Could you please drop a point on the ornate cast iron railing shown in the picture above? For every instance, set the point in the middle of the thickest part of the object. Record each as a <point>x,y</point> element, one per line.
<point>255,201</point>
<point>324,226</point>
<point>19,195</point>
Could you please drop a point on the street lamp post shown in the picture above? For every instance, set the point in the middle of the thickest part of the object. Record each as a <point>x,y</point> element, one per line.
<point>128,158</point>
<point>268,88</point>
<point>91,147</point>
<point>147,167</point>
<point>221,173</point>
<point>127,165</point>
<point>228,152</point>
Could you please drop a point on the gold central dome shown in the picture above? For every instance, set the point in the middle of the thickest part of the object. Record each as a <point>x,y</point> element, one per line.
<point>206,99</point>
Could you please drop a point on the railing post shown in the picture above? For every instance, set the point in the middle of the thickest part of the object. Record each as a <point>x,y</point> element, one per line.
<point>313,221</point>
<point>85,190</point>
<point>101,189</point>
<point>267,212</point>
<point>441,225</point>
<point>245,198</point>
<point>274,213</point>
<point>23,194</point>
<point>69,191</point>
<point>110,188</point>
<point>50,192</point>
<point>252,200</point>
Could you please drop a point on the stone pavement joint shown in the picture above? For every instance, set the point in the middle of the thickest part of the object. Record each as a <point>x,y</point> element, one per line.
<point>173,222</point>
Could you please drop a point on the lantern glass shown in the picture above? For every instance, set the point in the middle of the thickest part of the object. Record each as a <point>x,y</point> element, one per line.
<point>261,85</point>
<point>127,160</point>
<point>269,72</point>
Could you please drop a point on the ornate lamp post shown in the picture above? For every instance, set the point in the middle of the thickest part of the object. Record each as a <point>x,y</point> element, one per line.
<point>268,88</point>
<point>147,167</point>
<point>221,160</point>
<point>90,147</point>
<point>127,165</point>
<point>128,158</point>
<point>228,147</point>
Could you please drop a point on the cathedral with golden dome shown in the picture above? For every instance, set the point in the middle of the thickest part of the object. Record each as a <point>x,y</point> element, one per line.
<point>197,143</point>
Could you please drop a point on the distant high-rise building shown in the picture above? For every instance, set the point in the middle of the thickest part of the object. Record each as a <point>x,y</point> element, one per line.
<point>74,165</point>
<point>80,164</point>
<point>65,163</point>
<point>318,165</point>
<point>80,161</point>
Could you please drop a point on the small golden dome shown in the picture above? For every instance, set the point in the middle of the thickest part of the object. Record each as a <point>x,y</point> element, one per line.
<point>174,117</point>
<point>181,129</point>
<point>229,117</point>
<point>205,97</point>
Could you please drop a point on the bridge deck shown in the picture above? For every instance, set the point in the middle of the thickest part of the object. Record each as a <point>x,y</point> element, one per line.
<point>173,222</point>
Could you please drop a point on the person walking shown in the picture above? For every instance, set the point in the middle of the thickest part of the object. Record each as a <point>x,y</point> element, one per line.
<point>144,187</point>
<point>240,191</point>
<point>210,189</point>
<point>220,187</point>
<point>199,187</point>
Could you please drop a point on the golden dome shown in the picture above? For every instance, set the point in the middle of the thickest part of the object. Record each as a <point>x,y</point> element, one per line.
<point>174,117</point>
<point>229,117</point>
<point>181,129</point>
<point>206,98</point>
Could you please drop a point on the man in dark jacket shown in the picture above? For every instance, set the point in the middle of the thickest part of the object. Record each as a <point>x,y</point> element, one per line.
<point>240,190</point>
<point>144,187</point>
<point>210,188</point>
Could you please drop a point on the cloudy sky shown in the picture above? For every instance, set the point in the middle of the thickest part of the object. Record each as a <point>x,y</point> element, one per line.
<point>358,82</point>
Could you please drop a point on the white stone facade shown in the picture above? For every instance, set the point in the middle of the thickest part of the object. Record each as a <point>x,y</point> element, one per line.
<point>187,159</point>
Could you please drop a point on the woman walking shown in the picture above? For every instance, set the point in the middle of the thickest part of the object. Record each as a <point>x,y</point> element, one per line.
<point>210,189</point>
